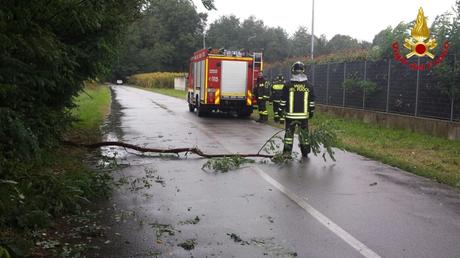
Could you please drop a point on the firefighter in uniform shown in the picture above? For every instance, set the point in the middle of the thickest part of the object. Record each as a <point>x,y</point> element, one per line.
<point>276,96</point>
<point>263,95</point>
<point>298,103</point>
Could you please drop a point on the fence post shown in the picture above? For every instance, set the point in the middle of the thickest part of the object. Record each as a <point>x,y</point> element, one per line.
<point>365,78</point>
<point>387,109</point>
<point>327,85</point>
<point>417,87</point>
<point>344,77</point>
<point>313,74</point>
<point>452,97</point>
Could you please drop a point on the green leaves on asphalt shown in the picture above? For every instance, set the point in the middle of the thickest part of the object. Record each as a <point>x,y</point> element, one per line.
<point>226,164</point>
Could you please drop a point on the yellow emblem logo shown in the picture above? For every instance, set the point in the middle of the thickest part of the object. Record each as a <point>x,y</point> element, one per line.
<point>420,42</point>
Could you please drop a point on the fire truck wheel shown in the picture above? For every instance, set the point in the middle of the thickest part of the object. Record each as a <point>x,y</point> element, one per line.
<point>201,111</point>
<point>244,113</point>
<point>191,107</point>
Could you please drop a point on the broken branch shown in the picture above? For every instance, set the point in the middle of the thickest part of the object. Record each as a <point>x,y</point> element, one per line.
<point>156,150</point>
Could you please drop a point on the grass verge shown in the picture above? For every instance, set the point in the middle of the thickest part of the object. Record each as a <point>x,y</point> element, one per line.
<point>180,94</point>
<point>92,106</point>
<point>59,182</point>
<point>425,155</point>
<point>429,156</point>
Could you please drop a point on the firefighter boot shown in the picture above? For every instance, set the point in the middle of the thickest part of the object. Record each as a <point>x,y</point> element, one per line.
<point>262,119</point>
<point>305,149</point>
<point>287,152</point>
<point>276,111</point>
<point>288,140</point>
<point>263,113</point>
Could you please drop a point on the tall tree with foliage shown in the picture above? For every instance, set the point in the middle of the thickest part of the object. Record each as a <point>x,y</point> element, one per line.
<point>342,42</point>
<point>384,39</point>
<point>162,39</point>
<point>301,42</point>
<point>224,32</point>
<point>250,34</point>
<point>446,28</point>
<point>47,50</point>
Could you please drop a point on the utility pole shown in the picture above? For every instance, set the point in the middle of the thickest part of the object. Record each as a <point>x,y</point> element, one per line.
<point>204,39</point>
<point>312,29</point>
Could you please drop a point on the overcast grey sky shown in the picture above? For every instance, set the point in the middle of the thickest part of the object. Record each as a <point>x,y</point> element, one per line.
<point>360,19</point>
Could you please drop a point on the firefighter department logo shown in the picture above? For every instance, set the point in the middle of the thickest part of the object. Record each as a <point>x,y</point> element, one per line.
<point>420,44</point>
<point>417,43</point>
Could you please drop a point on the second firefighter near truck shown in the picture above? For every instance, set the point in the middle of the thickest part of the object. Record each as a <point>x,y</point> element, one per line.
<point>263,96</point>
<point>298,105</point>
<point>276,96</point>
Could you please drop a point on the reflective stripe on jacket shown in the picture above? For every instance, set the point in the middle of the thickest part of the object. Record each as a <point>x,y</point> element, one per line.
<point>277,90</point>
<point>298,100</point>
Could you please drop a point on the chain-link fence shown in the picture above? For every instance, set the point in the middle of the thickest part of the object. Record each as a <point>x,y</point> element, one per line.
<point>384,85</point>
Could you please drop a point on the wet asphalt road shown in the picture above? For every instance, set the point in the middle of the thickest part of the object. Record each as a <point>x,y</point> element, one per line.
<point>309,208</point>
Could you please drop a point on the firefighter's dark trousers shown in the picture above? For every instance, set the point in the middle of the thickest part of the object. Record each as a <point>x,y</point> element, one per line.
<point>278,114</point>
<point>290,127</point>
<point>262,106</point>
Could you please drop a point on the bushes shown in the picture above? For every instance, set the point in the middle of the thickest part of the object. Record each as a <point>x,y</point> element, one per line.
<point>154,80</point>
<point>35,186</point>
<point>366,86</point>
<point>47,50</point>
<point>45,56</point>
<point>40,190</point>
<point>16,140</point>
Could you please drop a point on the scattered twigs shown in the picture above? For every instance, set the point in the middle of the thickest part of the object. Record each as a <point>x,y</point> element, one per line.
<point>157,150</point>
<point>269,140</point>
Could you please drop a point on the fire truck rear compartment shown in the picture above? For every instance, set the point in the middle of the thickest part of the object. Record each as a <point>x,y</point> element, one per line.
<point>234,79</point>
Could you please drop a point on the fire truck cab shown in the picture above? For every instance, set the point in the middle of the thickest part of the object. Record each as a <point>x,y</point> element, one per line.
<point>222,80</point>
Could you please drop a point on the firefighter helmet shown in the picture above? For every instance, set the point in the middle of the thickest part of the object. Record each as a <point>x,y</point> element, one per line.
<point>298,68</point>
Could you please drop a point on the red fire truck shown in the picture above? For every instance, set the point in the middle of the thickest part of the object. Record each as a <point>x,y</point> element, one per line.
<point>222,80</point>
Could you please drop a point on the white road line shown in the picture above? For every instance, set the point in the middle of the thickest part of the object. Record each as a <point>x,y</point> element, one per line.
<point>336,229</point>
<point>321,218</point>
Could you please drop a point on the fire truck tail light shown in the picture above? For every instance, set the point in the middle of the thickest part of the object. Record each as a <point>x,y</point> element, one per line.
<point>211,97</point>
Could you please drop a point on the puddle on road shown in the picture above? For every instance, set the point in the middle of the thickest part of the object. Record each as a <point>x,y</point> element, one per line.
<point>112,125</point>
<point>113,131</point>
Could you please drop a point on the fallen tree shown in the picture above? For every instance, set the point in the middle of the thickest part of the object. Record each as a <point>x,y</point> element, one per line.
<point>322,135</point>
<point>194,150</point>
